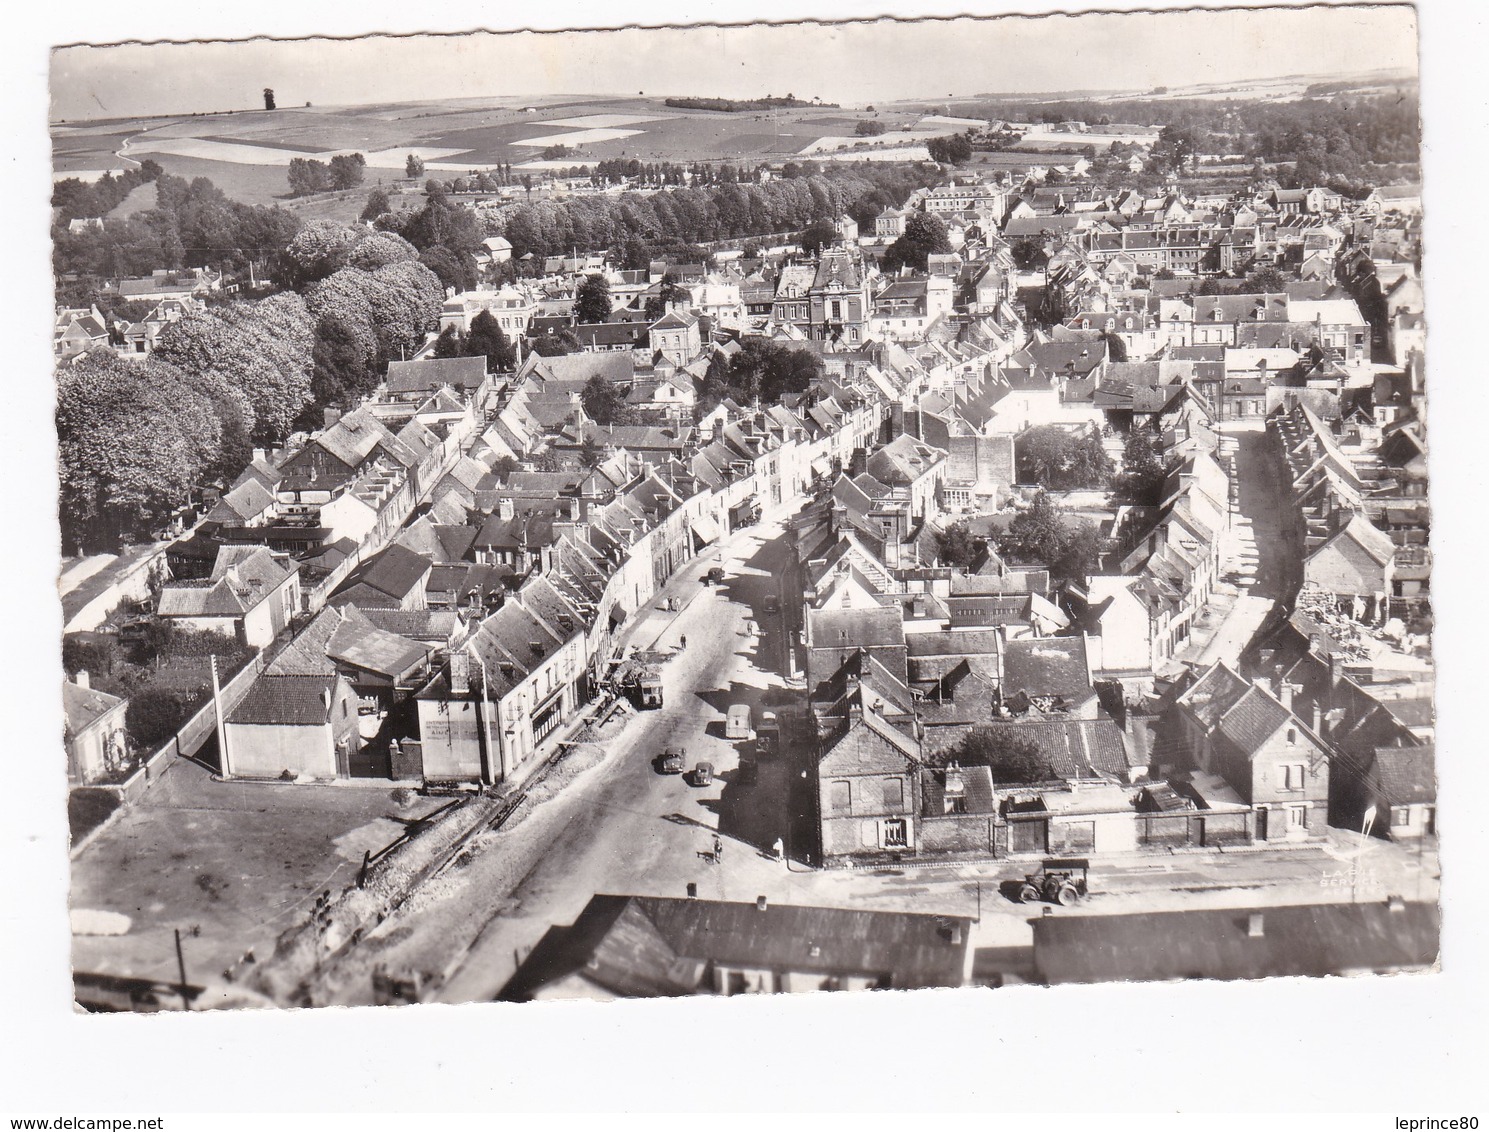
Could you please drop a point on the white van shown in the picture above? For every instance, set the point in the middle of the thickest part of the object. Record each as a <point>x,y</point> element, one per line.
<point>738,725</point>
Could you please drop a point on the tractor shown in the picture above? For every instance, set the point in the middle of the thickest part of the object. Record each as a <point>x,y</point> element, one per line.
<point>1060,880</point>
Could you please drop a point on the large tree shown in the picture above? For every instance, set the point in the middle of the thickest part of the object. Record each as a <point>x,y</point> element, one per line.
<point>956,545</point>
<point>592,300</point>
<point>1062,459</point>
<point>817,235</point>
<point>320,249</point>
<point>340,363</point>
<point>603,402</point>
<point>487,338</point>
<point>379,249</point>
<point>1013,758</point>
<point>924,236</point>
<point>1142,470</point>
<point>126,454</point>
<point>1041,534</point>
<point>346,170</point>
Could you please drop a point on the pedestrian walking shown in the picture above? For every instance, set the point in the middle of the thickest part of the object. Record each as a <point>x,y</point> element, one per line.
<point>682,641</point>
<point>718,851</point>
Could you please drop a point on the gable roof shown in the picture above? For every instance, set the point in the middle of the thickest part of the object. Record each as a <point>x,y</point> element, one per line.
<point>1407,774</point>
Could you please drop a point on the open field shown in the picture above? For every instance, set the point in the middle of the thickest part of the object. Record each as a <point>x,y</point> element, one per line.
<point>246,152</point>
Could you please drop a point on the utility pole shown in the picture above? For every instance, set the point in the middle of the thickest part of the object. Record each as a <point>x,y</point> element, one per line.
<point>181,964</point>
<point>224,764</point>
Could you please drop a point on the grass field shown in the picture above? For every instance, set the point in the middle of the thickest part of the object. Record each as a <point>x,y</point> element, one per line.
<point>246,153</point>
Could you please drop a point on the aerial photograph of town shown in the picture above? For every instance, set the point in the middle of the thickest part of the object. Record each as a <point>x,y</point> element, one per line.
<point>622,528</point>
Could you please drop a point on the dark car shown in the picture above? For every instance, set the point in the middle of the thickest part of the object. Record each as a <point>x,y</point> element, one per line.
<point>673,760</point>
<point>703,774</point>
<point>714,576</point>
<point>771,604</point>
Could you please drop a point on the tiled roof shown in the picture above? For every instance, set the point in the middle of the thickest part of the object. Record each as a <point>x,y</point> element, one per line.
<point>85,706</point>
<point>1302,939</point>
<point>1407,774</point>
<point>1253,719</point>
<point>287,700</point>
<point>1214,693</point>
<point>428,374</point>
<point>1046,666</point>
<point>972,784</point>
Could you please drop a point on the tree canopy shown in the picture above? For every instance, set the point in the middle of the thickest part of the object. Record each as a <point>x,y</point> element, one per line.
<point>592,300</point>
<point>957,546</point>
<point>924,236</point>
<point>762,370</point>
<point>1040,533</point>
<point>1062,459</point>
<point>603,402</point>
<point>1013,759</point>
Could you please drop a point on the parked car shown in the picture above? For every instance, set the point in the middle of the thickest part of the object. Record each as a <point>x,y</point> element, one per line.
<point>674,760</point>
<point>714,576</point>
<point>771,604</point>
<point>703,774</point>
<point>749,771</point>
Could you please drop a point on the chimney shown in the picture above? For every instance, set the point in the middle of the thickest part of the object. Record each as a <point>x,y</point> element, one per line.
<point>760,904</point>
<point>460,673</point>
<point>1255,928</point>
<point>1318,718</point>
<point>1287,695</point>
<point>507,508</point>
<point>81,679</point>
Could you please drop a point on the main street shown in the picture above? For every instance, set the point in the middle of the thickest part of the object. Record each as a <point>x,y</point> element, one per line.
<point>605,821</point>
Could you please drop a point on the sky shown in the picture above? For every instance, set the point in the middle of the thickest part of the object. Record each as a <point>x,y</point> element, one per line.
<point>849,63</point>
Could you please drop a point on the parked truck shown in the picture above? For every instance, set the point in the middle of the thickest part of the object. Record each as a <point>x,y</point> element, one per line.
<point>639,679</point>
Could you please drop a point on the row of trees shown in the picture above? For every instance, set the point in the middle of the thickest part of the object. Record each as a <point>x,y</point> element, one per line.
<point>75,199</point>
<point>192,224</point>
<point>135,437</point>
<point>701,214</point>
